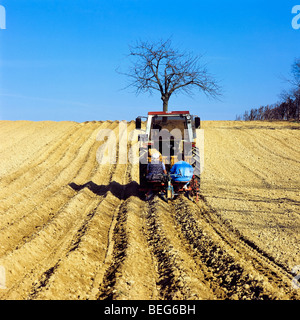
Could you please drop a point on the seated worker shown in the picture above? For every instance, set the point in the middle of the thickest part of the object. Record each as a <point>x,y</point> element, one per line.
<point>155,168</point>
<point>155,171</point>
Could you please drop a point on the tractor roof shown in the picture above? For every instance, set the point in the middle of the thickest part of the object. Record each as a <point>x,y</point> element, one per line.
<point>171,113</point>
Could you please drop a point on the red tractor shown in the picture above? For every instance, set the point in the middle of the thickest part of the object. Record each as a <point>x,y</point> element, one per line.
<point>177,138</point>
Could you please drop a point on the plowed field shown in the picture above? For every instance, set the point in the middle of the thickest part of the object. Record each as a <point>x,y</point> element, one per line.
<point>71,228</point>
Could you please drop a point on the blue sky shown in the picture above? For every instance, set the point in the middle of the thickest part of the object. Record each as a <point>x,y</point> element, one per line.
<point>58,57</point>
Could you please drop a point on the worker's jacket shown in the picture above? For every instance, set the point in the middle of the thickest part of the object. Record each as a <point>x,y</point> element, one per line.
<point>155,171</point>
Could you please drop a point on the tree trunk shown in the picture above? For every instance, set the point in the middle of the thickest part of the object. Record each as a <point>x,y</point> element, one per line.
<point>165,103</point>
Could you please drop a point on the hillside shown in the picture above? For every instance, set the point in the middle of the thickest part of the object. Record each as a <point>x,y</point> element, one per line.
<point>72,228</point>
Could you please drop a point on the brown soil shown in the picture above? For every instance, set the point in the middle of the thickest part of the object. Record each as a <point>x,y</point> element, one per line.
<point>74,229</point>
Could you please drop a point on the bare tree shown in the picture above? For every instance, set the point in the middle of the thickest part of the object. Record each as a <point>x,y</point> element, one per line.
<point>157,66</point>
<point>296,73</point>
<point>293,95</point>
<point>296,90</point>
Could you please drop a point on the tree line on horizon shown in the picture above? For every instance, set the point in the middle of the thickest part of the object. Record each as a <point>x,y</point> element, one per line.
<point>288,108</point>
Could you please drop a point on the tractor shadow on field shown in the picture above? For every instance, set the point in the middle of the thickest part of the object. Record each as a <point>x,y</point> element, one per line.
<point>120,191</point>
